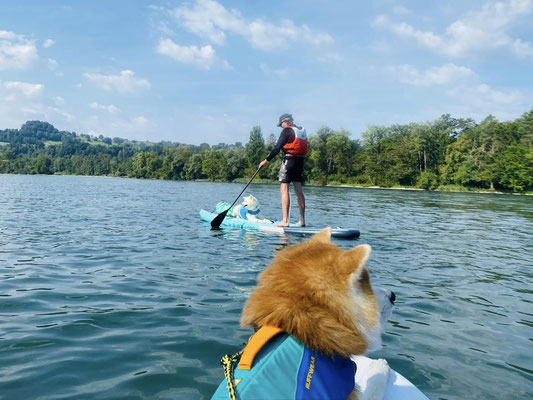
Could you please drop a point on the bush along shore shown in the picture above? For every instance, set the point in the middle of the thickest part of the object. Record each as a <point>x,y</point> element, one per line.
<point>447,154</point>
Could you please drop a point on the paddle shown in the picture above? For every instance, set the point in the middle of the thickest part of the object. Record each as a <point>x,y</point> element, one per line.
<point>220,217</point>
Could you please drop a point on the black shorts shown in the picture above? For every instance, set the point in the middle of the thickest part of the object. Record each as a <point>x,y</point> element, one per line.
<point>292,169</point>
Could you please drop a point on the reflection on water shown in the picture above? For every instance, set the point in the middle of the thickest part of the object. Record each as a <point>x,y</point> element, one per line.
<point>114,288</point>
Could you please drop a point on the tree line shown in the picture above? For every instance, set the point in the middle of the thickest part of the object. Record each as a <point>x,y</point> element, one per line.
<point>447,153</point>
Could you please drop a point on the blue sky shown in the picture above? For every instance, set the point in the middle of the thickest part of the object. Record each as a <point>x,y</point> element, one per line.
<point>208,71</point>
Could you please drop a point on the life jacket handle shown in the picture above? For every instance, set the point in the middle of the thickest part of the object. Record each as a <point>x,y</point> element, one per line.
<point>256,343</point>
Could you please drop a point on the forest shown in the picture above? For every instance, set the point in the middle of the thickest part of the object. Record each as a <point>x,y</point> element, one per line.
<point>445,154</point>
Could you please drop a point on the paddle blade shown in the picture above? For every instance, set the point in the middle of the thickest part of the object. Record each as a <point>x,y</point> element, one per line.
<point>218,219</point>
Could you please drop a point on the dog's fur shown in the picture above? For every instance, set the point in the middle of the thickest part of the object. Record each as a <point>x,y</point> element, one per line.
<point>250,203</point>
<point>322,296</point>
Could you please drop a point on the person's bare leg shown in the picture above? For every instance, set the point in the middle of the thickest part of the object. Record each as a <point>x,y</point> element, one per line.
<point>301,201</point>
<point>285,204</point>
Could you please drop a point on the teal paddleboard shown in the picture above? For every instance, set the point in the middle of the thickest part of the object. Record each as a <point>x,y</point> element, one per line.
<point>239,223</point>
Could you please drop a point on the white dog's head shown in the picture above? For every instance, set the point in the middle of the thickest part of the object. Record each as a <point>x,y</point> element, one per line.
<point>250,203</point>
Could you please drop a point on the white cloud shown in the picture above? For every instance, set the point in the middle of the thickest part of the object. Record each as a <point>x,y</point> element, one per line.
<point>110,108</point>
<point>226,65</point>
<point>114,125</point>
<point>23,101</point>
<point>140,121</point>
<point>203,57</point>
<point>54,110</point>
<point>497,96</point>
<point>136,126</point>
<point>209,19</point>
<point>125,83</point>
<point>401,10</point>
<point>280,73</point>
<point>479,100</point>
<point>52,64</point>
<point>266,36</point>
<point>477,31</point>
<point>331,58</point>
<point>48,43</point>
<point>522,49</point>
<point>16,51</point>
<point>27,89</point>
<point>212,21</point>
<point>448,74</point>
<point>158,21</point>
<point>464,92</point>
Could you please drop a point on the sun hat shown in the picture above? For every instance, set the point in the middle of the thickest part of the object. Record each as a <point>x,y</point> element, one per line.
<point>284,117</point>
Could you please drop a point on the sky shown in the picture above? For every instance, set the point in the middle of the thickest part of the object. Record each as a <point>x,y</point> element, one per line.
<point>206,71</point>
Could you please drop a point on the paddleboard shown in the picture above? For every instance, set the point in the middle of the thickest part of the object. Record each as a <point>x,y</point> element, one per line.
<point>397,386</point>
<point>240,223</point>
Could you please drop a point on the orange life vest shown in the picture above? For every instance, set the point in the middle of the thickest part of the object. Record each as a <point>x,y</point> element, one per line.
<point>298,147</point>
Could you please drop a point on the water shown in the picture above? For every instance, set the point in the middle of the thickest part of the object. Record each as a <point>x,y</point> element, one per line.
<point>114,288</point>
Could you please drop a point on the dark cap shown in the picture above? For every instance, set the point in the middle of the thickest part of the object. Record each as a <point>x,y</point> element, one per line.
<point>284,117</point>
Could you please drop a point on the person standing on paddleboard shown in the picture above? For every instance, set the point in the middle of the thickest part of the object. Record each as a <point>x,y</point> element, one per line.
<point>293,142</point>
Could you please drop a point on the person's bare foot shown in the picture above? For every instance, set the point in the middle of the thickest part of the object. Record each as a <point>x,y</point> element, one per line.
<point>282,224</point>
<point>300,223</point>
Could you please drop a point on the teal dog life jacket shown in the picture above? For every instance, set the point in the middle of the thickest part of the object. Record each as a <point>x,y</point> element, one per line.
<point>281,367</point>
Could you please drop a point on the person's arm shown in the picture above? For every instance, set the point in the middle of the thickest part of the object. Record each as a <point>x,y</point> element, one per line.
<point>282,140</point>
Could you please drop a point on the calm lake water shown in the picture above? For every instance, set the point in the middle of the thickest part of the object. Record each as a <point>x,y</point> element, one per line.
<point>115,289</point>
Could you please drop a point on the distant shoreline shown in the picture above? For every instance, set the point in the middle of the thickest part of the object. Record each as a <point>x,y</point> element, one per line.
<point>345,185</point>
<point>436,190</point>
<point>269,182</point>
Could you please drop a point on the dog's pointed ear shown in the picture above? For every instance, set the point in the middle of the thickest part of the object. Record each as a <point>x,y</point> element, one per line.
<point>355,258</point>
<point>324,236</point>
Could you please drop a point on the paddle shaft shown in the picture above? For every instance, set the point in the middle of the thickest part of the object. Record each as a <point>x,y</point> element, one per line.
<point>220,217</point>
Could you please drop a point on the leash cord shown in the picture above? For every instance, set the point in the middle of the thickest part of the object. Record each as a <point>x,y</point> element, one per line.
<point>228,362</point>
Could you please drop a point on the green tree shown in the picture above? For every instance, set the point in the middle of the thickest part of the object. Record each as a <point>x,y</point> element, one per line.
<point>402,157</point>
<point>428,180</point>
<point>236,163</point>
<point>255,148</point>
<point>375,155</point>
<point>317,158</point>
<point>515,168</point>
<point>139,167</point>
<point>525,129</point>
<point>193,167</point>
<point>214,165</point>
<point>271,142</point>
<point>339,151</point>
<point>177,159</point>
<point>43,165</point>
<point>491,140</point>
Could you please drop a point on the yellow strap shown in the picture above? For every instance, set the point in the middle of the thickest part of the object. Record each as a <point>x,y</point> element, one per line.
<point>227,362</point>
<point>256,342</point>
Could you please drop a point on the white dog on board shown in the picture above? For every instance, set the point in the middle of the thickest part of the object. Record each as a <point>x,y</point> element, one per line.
<point>249,209</point>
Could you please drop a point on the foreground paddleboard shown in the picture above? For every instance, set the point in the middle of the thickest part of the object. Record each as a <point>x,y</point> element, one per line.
<point>239,223</point>
<point>396,387</point>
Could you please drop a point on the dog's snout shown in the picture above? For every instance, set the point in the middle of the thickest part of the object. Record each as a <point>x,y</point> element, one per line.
<point>392,297</point>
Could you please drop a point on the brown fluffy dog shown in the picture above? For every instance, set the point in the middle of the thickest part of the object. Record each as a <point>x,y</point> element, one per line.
<point>321,295</point>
